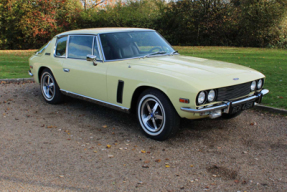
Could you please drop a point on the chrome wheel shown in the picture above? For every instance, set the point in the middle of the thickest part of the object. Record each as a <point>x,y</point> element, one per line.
<point>48,86</point>
<point>151,114</point>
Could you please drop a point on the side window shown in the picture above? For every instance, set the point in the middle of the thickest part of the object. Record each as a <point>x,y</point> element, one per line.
<point>96,49</point>
<point>61,47</point>
<point>80,46</point>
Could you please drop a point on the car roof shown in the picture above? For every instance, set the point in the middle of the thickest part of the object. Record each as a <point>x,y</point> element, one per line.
<point>103,30</point>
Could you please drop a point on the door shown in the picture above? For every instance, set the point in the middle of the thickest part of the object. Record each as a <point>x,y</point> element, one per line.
<point>81,76</point>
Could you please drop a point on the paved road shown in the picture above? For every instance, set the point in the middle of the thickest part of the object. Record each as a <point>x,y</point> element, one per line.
<point>64,148</point>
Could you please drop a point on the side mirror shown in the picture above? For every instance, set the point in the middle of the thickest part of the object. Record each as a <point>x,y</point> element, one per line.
<point>92,58</point>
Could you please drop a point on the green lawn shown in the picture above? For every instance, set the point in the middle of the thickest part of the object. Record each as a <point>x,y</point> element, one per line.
<point>14,63</point>
<point>271,62</point>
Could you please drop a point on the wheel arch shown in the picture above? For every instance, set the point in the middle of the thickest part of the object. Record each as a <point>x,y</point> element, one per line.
<point>137,93</point>
<point>41,69</point>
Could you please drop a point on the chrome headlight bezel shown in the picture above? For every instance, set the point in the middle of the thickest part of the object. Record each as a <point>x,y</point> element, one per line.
<point>259,84</point>
<point>253,85</point>
<point>201,97</point>
<point>211,95</point>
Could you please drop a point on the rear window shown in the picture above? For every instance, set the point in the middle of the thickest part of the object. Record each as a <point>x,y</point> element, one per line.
<point>42,49</point>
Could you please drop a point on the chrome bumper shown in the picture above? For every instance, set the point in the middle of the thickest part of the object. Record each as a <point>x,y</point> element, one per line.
<point>31,74</point>
<point>226,106</point>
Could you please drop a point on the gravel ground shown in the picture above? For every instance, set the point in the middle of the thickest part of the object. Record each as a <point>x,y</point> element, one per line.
<point>79,146</point>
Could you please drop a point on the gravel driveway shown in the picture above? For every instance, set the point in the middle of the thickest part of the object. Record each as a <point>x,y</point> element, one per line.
<point>80,146</point>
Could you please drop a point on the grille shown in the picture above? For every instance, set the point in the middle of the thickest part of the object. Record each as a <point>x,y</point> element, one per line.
<point>232,92</point>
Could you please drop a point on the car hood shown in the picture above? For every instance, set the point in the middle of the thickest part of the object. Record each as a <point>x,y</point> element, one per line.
<point>197,70</point>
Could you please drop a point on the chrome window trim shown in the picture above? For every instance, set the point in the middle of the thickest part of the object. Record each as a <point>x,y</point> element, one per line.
<point>67,50</point>
<point>67,46</point>
<point>99,48</point>
<point>58,37</point>
<point>69,93</point>
<point>139,57</point>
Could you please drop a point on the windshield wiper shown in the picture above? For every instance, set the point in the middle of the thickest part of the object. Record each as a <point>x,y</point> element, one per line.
<point>155,53</point>
<point>175,52</point>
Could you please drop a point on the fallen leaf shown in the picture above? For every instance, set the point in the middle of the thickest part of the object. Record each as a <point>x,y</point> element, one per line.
<point>191,165</point>
<point>95,151</point>
<point>253,123</point>
<point>236,181</point>
<point>167,166</point>
<point>108,146</point>
<point>104,126</point>
<point>145,166</point>
<point>147,161</point>
<point>61,176</point>
<point>142,151</point>
<point>157,160</point>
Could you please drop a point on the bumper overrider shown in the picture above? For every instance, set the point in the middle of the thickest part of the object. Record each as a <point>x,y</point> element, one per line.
<point>30,73</point>
<point>228,106</point>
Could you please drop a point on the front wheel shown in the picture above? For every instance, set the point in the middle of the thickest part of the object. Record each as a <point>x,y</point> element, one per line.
<point>49,88</point>
<point>156,115</point>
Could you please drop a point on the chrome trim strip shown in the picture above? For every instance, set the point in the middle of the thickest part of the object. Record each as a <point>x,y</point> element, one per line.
<point>93,44</point>
<point>227,105</point>
<point>31,74</point>
<point>67,46</point>
<point>97,101</point>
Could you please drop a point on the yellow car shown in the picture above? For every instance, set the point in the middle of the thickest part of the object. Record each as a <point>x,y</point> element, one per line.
<point>137,71</point>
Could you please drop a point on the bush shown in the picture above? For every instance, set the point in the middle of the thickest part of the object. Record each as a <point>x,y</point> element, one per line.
<point>254,23</point>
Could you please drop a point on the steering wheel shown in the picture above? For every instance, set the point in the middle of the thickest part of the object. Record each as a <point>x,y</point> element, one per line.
<point>155,48</point>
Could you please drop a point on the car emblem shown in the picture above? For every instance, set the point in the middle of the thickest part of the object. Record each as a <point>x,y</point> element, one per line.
<point>235,79</point>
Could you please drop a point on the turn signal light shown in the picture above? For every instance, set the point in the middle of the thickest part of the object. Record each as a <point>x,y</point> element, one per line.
<point>181,100</point>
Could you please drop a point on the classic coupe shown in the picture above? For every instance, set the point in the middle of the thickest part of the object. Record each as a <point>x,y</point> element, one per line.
<point>137,71</point>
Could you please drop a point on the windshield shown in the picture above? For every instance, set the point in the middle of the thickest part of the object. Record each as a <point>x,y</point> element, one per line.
<point>133,44</point>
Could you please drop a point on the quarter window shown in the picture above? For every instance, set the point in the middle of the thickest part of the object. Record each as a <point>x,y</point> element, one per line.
<point>61,47</point>
<point>80,46</point>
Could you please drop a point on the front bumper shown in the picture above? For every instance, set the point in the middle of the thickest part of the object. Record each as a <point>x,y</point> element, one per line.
<point>30,73</point>
<point>228,104</point>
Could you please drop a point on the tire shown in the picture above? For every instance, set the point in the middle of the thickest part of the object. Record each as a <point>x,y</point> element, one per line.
<point>49,88</point>
<point>231,116</point>
<point>156,115</point>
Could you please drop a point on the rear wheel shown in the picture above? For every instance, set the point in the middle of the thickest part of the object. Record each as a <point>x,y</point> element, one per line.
<point>157,116</point>
<point>49,88</point>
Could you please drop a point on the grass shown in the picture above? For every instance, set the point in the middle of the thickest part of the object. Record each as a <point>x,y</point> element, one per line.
<point>14,63</point>
<point>271,62</point>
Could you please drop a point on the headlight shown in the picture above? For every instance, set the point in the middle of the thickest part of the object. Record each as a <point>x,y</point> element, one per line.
<point>211,95</point>
<point>253,85</point>
<point>201,97</point>
<point>259,84</point>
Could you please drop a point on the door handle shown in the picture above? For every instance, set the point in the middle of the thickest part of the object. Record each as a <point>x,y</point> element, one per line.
<point>66,70</point>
